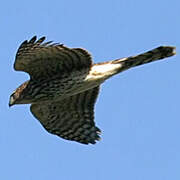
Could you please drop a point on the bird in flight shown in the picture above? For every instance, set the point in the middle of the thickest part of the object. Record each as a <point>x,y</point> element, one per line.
<point>64,85</point>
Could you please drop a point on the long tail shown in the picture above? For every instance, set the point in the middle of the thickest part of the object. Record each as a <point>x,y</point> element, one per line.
<point>147,57</point>
<point>103,71</point>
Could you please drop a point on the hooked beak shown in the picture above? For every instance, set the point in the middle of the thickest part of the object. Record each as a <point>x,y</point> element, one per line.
<point>10,104</point>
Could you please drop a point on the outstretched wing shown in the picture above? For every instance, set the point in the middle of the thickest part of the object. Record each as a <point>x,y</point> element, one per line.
<point>42,60</point>
<point>72,118</point>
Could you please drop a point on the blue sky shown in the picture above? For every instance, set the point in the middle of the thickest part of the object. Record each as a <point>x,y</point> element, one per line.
<point>137,111</point>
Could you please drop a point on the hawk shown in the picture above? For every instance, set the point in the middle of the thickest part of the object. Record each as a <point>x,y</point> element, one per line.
<point>64,85</point>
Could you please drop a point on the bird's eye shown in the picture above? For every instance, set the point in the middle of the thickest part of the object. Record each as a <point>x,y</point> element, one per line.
<point>13,96</point>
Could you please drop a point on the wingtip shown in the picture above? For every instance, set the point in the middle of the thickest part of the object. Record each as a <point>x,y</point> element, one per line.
<point>42,38</point>
<point>24,42</point>
<point>33,39</point>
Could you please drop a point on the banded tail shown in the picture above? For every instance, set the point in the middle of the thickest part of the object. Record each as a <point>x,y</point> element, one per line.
<point>147,57</point>
<point>107,69</point>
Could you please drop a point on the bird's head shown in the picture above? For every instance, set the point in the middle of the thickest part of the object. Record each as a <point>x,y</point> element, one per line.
<point>19,95</point>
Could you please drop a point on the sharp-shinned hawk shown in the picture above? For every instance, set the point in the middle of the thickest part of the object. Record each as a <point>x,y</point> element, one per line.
<point>64,85</point>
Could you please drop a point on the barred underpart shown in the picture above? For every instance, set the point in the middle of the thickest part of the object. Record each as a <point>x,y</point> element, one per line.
<point>64,85</point>
<point>72,118</point>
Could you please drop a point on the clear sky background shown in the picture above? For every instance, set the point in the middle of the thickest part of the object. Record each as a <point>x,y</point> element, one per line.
<point>137,111</point>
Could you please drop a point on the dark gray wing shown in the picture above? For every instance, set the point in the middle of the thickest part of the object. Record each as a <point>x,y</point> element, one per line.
<point>72,118</point>
<point>42,60</point>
